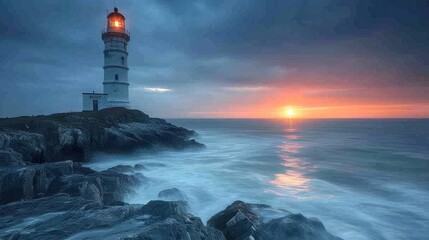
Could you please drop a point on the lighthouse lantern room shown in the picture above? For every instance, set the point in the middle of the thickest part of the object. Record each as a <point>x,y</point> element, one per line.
<point>115,83</point>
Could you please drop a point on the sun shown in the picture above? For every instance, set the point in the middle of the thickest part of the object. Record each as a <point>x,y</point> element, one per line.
<point>289,112</point>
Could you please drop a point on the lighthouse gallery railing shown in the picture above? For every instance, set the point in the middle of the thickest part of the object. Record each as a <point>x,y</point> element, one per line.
<point>116,30</point>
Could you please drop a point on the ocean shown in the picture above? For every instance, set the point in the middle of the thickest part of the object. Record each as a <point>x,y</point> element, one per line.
<point>364,179</point>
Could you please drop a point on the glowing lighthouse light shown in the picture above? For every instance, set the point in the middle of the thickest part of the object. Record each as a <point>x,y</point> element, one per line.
<point>116,19</point>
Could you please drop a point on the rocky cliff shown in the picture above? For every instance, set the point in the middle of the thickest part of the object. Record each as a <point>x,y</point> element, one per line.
<point>75,136</point>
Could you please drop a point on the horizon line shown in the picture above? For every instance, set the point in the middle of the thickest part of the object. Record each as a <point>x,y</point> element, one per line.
<point>298,118</point>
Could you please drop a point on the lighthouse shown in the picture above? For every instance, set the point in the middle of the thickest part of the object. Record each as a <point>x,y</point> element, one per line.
<point>116,38</point>
<point>115,84</point>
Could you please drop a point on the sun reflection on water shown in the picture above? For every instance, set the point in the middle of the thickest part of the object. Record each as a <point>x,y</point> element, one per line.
<point>293,179</point>
<point>290,148</point>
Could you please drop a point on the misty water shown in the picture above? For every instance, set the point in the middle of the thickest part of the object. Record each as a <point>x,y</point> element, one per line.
<point>364,179</point>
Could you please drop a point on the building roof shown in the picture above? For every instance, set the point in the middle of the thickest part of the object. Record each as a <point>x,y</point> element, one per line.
<point>95,93</point>
<point>116,13</point>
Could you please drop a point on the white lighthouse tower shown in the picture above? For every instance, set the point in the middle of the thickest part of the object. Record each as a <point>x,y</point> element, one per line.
<point>115,84</point>
<point>116,39</point>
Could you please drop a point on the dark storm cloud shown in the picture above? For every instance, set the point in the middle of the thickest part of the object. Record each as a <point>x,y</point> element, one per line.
<point>52,51</point>
<point>291,32</point>
<point>324,36</point>
<point>240,26</point>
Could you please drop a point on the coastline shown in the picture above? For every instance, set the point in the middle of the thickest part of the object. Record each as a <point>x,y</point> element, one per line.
<point>37,182</point>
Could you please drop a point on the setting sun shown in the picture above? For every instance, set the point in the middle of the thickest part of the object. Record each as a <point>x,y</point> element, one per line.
<point>289,112</point>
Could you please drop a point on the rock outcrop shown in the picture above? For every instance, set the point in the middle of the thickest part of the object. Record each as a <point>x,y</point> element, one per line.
<point>172,194</point>
<point>62,216</point>
<point>74,136</point>
<point>39,180</point>
<point>242,221</point>
<point>65,200</point>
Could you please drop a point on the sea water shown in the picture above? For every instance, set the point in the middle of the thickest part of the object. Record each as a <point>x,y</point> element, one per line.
<point>364,179</point>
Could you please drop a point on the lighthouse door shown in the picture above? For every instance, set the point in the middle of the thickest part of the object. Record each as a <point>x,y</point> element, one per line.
<point>95,105</point>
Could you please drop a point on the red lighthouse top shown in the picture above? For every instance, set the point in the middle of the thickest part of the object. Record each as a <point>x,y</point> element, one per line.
<point>115,26</point>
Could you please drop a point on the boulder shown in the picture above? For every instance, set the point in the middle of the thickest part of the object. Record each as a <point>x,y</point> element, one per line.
<point>163,209</point>
<point>295,226</point>
<point>172,194</point>
<point>237,221</point>
<point>139,167</point>
<point>121,169</point>
<point>243,221</point>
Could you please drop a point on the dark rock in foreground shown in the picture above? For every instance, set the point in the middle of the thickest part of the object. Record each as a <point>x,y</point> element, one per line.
<point>74,136</point>
<point>65,217</point>
<point>66,200</point>
<point>39,180</point>
<point>62,216</point>
<point>242,221</point>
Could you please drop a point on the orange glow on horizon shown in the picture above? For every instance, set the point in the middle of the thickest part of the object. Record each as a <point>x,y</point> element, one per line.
<point>343,102</point>
<point>341,111</point>
<point>315,101</point>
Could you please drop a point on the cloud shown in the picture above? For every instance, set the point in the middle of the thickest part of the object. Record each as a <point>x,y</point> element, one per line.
<point>156,90</point>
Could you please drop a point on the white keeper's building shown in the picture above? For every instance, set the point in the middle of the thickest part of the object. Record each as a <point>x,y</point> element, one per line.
<point>115,84</point>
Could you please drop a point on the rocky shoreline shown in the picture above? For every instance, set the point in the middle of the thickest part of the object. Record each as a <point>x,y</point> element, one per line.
<point>45,192</point>
<point>75,136</point>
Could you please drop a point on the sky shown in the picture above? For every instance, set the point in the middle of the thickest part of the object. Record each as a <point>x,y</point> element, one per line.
<point>223,58</point>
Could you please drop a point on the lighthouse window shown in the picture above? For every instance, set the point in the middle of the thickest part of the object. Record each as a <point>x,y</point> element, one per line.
<point>115,23</point>
<point>123,60</point>
<point>116,77</point>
